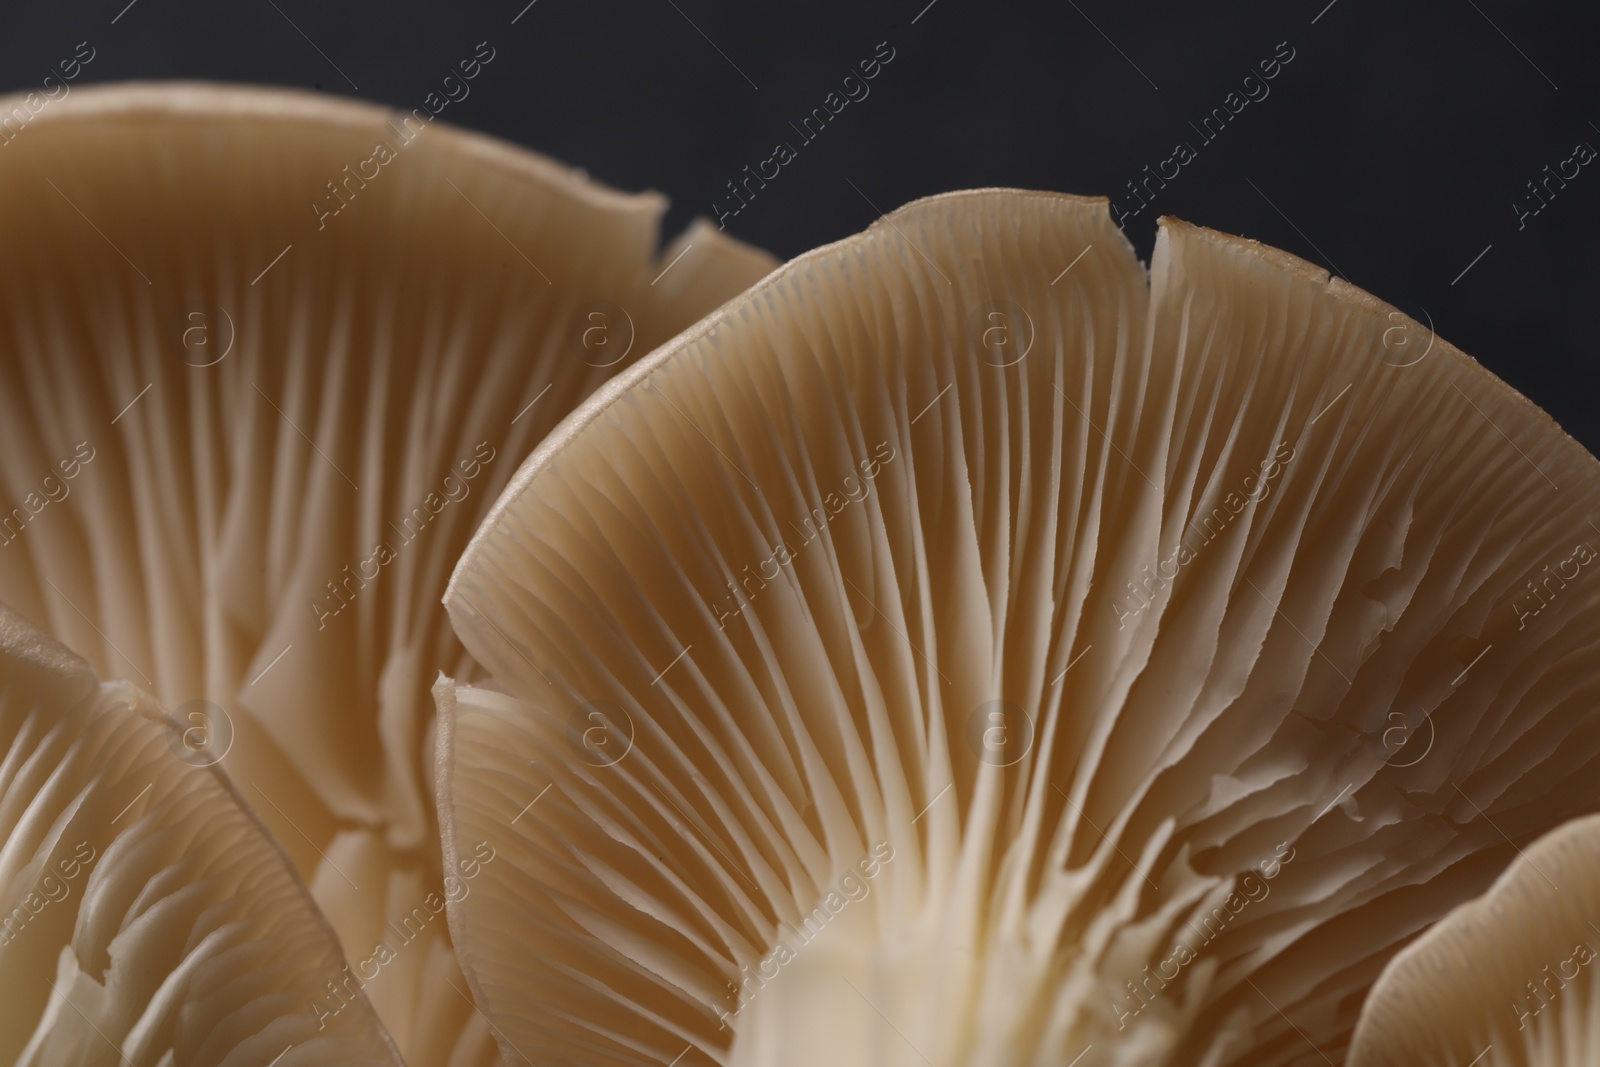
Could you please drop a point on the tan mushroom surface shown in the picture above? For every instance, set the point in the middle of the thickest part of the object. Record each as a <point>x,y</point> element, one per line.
<point>265,361</point>
<point>966,647</point>
<point>1504,980</point>
<point>148,916</point>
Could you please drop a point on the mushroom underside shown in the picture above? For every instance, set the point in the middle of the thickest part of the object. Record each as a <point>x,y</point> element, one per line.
<point>961,649</point>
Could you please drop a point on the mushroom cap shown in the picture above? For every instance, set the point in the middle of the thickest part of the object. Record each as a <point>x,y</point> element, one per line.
<point>1511,971</point>
<point>266,358</point>
<point>148,916</point>
<point>960,650</point>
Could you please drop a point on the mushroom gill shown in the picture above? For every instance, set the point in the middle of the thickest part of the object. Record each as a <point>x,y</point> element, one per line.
<point>265,361</point>
<point>959,649</point>
<point>148,916</point>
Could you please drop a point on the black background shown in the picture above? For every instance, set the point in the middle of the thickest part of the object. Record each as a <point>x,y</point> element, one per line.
<point>1397,140</point>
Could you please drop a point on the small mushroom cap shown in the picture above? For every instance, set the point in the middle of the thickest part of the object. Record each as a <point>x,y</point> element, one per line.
<point>146,915</point>
<point>266,359</point>
<point>1507,979</point>
<point>960,650</point>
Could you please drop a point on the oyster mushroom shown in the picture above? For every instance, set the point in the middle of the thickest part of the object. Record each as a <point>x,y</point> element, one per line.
<point>958,649</point>
<point>148,916</point>
<point>266,359</point>
<point>1505,979</point>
